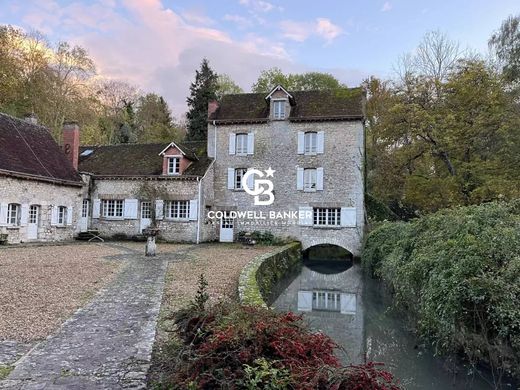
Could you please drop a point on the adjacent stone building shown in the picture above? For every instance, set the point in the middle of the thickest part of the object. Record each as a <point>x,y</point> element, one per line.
<point>314,142</point>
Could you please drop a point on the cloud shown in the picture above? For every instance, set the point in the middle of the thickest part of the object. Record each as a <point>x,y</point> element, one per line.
<point>301,31</point>
<point>387,6</point>
<point>241,21</point>
<point>197,17</point>
<point>260,5</point>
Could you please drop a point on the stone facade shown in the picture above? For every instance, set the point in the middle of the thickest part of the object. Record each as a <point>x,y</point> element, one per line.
<point>275,146</point>
<point>47,197</point>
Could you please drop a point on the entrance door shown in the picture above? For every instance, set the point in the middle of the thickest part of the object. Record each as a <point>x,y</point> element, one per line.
<point>83,222</point>
<point>226,230</point>
<point>32,223</point>
<point>146,216</point>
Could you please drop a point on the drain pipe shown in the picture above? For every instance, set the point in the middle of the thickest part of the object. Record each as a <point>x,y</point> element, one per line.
<point>215,139</point>
<point>199,180</point>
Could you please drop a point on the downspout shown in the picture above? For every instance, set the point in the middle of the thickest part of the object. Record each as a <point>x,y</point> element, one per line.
<point>215,140</point>
<point>199,180</point>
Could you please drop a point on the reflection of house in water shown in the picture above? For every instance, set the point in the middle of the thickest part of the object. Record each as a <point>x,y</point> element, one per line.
<point>331,303</point>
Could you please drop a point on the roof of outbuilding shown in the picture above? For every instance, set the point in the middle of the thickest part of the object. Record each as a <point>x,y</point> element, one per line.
<point>139,159</point>
<point>337,104</point>
<point>28,150</point>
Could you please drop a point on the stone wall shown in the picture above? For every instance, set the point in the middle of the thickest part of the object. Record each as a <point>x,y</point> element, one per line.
<point>260,276</point>
<point>45,195</point>
<point>276,147</point>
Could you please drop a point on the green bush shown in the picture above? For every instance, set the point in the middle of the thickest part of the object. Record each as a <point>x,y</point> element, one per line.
<point>456,273</point>
<point>378,210</point>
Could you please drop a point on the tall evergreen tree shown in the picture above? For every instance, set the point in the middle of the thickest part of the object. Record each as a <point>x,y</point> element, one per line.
<point>202,91</point>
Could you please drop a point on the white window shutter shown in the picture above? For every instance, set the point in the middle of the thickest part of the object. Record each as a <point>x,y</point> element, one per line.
<point>54,216</point>
<point>96,208</point>
<point>250,143</point>
<point>159,209</point>
<point>3,214</point>
<point>230,178</point>
<point>348,303</point>
<point>194,209</point>
<point>70,210</point>
<point>321,142</point>
<point>251,181</point>
<point>232,142</point>
<point>130,208</point>
<point>304,300</point>
<point>301,142</point>
<point>299,178</point>
<point>319,179</point>
<point>24,214</point>
<point>348,216</point>
<point>306,217</point>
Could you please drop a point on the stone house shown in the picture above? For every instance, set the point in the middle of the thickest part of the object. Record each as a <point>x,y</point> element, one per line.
<point>314,142</point>
<point>39,188</point>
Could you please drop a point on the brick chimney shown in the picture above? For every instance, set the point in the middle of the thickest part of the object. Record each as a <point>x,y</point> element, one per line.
<point>212,108</point>
<point>31,118</point>
<point>71,142</point>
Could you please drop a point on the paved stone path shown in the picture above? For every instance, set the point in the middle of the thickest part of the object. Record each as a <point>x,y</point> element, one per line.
<point>108,343</point>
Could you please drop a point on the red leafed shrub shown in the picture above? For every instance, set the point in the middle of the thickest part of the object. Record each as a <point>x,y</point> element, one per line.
<point>243,347</point>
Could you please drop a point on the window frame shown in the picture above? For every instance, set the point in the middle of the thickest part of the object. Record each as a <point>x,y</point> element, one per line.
<point>241,144</point>
<point>310,142</point>
<point>146,209</point>
<point>310,172</point>
<point>16,209</point>
<point>326,216</point>
<point>177,210</point>
<point>110,208</point>
<point>173,169</point>
<point>85,209</point>
<point>236,186</point>
<point>61,216</point>
<point>281,114</point>
<point>33,214</point>
<point>321,301</point>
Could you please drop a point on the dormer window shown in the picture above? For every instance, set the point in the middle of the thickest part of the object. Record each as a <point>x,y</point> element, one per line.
<point>279,109</point>
<point>174,166</point>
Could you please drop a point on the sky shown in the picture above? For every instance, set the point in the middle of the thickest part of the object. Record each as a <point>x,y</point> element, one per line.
<point>158,44</point>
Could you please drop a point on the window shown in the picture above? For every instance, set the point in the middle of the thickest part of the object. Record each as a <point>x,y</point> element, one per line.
<point>112,208</point>
<point>62,215</point>
<point>241,144</point>
<point>177,209</point>
<point>326,300</point>
<point>327,216</point>
<point>33,214</point>
<point>146,210</point>
<point>173,166</point>
<point>309,179</point>
<point>84,208</point>
<point>13,214</point>
<point>311,142</point>
<point>279,109</point>
<point>239,174</point>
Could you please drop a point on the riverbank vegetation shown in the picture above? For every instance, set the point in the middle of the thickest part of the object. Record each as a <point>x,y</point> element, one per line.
<point>232,346</point>
<point>456,275</point>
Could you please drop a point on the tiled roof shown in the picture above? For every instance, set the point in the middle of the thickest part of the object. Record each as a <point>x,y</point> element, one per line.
<point>338,104</point>
<point>29,150</point>
<point>138,159</point>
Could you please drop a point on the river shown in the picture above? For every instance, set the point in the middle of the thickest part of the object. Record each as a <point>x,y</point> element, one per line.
<point>335,297</point>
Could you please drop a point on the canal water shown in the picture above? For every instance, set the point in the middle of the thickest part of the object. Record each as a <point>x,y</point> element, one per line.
<point>335,297</point>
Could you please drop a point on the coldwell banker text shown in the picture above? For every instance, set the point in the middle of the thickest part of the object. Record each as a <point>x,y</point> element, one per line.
<point>260,215</point>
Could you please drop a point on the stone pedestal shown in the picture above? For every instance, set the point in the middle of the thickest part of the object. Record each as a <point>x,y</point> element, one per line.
<point>151,247</point>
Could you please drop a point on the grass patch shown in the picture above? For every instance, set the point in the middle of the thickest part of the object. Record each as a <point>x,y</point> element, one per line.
<point>4,371</point>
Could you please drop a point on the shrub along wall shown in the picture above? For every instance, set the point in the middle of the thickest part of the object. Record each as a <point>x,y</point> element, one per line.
<point>456,273</point>
<point>260,276</point>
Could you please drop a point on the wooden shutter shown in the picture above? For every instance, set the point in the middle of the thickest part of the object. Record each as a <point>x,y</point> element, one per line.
<point>250,143</point>
<point>232,143</point>
<point>301,142</point>
<point>304,300</point>
<point>194,205</point>
<point>320,142</point>
<point>24,214</point>
<point>70,214</point>
<point>54,216</point>
<point>96,208</point>
<point>159,209</point>
<point>348,303</point>
<point>348,216</point>
<point>230,178</point>
<point>251,181</point>
<point>306,216</point>
<point>130,211</point>
<point>299,178</point>
<point>3,214</point>
<point>319,179</point>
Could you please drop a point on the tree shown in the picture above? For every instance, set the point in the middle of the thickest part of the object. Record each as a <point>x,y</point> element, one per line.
<point>154,120</point>
<point>226,86</point>
<point>202,90</point>
<point>505,43</point>
<point>270,78</point>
